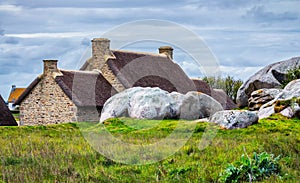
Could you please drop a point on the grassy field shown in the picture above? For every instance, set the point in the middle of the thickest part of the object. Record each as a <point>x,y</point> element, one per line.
<point>60,153</point>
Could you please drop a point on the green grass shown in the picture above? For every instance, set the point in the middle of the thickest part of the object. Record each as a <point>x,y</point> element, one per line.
<point>60,153</point>
<point>16,116</point>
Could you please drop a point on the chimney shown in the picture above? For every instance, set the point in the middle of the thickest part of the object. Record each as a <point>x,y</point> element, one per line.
<point>13,88</point>
<point>168,50</point>
<point>100,51</point>
<point>50,66</point>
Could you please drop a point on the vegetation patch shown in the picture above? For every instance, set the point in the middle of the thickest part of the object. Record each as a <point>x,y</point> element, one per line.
<point>291,75</point>
<point>59,153</point>
<point>259,167</point>
<point>228,84</point>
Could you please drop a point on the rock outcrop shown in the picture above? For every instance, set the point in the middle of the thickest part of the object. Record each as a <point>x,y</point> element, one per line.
<point>286,102</point>
<point>262,96</point>
<point>270,76</point>
<point>154,103</point>
<point>232,119</point>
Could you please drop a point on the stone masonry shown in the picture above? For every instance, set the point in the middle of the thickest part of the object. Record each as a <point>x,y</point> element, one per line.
<point>100,54</point>
<point>111,78</point>
<point>47,103</point>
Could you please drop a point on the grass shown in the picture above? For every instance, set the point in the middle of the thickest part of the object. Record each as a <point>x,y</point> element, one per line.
<point>16,116</point>
<point>60,153</point>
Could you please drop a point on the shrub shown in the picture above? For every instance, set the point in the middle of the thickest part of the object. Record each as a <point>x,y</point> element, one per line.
<point>260,166</point>
<point>291,75</point>
<point>228,84</point>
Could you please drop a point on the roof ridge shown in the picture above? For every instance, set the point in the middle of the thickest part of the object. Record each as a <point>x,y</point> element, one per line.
<point>142,53</point>
<point>81,71</point>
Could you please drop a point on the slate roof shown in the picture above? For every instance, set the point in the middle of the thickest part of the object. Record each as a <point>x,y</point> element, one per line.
<point>6,118</point>
<point>15,94</point>
<point>84,88</point>
<point>151,70</point>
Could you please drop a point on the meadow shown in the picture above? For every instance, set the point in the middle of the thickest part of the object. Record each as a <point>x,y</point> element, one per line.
<point>61,153</point>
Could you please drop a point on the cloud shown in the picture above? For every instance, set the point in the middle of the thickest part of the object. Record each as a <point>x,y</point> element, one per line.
<point>222,4</point>
<point>96,3</point>
<point>1,30</point>
<point>243,35</point>
<point>239,72</point>
<point>11,40</point>
<point>191,68</point>
<point>258,13</point>
<point>10,8</point>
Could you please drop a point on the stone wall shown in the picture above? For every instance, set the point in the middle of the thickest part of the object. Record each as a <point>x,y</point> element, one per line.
<point>47,104</point>
<point>111,78</point>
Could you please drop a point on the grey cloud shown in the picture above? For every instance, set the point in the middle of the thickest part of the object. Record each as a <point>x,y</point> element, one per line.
<point>259,14</point>
<point>223,4</point>
<point>96,3</point>
<point>11,40</point>
<point>1,30</point>
<point>86,41</point>
<point>27,56</point>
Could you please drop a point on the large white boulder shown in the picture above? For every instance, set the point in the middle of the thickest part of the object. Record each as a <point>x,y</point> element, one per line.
<point>232,119</point>
<point>154,103</point>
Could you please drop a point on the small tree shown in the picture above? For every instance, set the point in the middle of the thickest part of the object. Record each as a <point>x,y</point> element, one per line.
<point>228,84</point>
<point>291,75</point>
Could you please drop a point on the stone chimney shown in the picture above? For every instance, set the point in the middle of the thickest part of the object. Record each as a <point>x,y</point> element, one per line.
<point>100,51</point>
<point>168,50</point>
<point>13,88</point>
<point>50,66</point>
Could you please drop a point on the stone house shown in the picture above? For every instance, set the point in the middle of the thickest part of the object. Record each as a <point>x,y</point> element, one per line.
<point>125,69</point>
<point>6,118</point>
<point>58,96</point>
<point>65,96</point>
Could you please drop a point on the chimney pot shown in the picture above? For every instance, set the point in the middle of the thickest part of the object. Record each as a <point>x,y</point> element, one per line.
<point>168,50</point>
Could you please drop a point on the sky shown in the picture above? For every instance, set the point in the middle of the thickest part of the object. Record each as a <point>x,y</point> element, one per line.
<point>244,36</point>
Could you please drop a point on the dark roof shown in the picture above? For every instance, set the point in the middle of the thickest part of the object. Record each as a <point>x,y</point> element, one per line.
<point>223,98</point>
<point>157,70</point>
<point>151,70</point>
<point>202,86</point>
<point>6,118</point>
<point>218,94</point>
<point>84,88</point>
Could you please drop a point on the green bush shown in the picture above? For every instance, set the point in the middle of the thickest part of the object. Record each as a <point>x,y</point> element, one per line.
<point>259,167</point>
<point>228,84</point>
<point>291,75</point>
